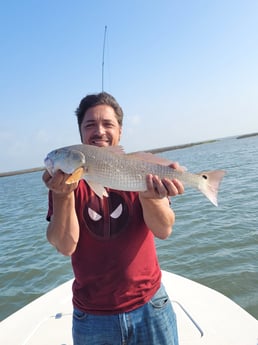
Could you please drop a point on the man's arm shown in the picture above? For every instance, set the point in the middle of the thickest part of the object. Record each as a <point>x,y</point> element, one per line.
<point>158,216</point>
<point>157,213</point>
<point>63,229</point>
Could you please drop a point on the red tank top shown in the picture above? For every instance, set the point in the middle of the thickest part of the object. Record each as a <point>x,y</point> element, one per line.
<point>115,263</point>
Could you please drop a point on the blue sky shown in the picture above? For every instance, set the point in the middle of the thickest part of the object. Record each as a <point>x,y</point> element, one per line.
<point>183,71</point>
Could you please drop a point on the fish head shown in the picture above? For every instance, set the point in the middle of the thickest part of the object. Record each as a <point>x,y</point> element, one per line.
<point>65,159</point>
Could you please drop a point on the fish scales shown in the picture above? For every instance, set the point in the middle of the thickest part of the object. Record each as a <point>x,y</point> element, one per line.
<point>111,167</point>
<point>115,171</point>
<point>130,175</point>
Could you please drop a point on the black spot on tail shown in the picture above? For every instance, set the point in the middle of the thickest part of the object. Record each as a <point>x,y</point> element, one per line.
<point>205,177</point>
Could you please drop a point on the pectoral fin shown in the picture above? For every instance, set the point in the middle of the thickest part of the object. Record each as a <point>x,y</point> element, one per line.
<point>75,176</point>
<point>98,189</point>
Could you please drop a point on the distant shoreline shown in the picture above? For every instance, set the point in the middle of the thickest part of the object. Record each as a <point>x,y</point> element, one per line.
<point>247,136</point>
<point>178,147</point>
<point>158,150</point>
<point>20,172</point>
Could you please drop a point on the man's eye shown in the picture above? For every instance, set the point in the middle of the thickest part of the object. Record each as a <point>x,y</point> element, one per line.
<point>109,125</point>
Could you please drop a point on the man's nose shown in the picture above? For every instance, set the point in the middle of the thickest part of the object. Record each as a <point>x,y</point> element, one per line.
<point>100,129</point>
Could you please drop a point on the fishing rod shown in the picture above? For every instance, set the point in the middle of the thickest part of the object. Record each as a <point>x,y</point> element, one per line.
<point>103,56</point>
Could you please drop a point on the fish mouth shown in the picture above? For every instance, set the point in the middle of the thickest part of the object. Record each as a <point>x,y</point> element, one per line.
<point>49,165</point>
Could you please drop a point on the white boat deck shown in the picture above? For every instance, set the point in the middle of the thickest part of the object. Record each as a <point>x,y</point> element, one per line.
<point>205,317</point>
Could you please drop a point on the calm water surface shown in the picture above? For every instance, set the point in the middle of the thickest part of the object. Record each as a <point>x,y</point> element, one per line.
<point>217,247</point>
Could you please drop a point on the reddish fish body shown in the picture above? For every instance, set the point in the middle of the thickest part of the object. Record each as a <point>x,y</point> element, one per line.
<point>111,167</point>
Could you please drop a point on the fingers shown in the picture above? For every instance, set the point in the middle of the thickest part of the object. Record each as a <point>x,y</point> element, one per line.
<point>155,187</point>
<point>161,188</point>
<point>177,166</point>
<point>174,187</point>
<point>46,177</point>
<point>57,182</point>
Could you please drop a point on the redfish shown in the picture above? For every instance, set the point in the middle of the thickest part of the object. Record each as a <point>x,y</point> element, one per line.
<point>111,167</point>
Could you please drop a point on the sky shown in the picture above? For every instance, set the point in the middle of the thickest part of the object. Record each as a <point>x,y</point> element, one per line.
<point>183,71</point>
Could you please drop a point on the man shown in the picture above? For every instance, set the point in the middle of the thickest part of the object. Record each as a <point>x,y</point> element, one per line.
<point>118,297</point>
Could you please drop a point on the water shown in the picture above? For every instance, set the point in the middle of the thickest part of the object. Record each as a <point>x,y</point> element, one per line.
<point>217,247</point>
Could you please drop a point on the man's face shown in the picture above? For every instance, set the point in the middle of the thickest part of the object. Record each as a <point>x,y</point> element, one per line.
<point>100,127</point>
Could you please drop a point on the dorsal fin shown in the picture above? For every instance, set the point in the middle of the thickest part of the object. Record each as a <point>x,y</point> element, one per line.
<point>118,149</point>
<point>149,157</point>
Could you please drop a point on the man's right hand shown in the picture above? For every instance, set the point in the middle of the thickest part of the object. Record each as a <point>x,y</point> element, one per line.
<point>56,183</point>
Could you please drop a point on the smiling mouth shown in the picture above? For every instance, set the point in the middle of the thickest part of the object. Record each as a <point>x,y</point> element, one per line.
<point>100,142</point>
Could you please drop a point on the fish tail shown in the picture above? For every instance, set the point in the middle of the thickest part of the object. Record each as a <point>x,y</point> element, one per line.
<point>209,185</point>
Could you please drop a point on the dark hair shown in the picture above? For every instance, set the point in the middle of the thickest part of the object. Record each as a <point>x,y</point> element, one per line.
<point>93,100</point>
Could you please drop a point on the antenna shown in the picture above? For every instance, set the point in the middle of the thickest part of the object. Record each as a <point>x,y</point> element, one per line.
<point>103,57</point>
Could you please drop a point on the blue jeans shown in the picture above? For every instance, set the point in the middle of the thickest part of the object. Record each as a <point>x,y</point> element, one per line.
<point>152,324</point>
